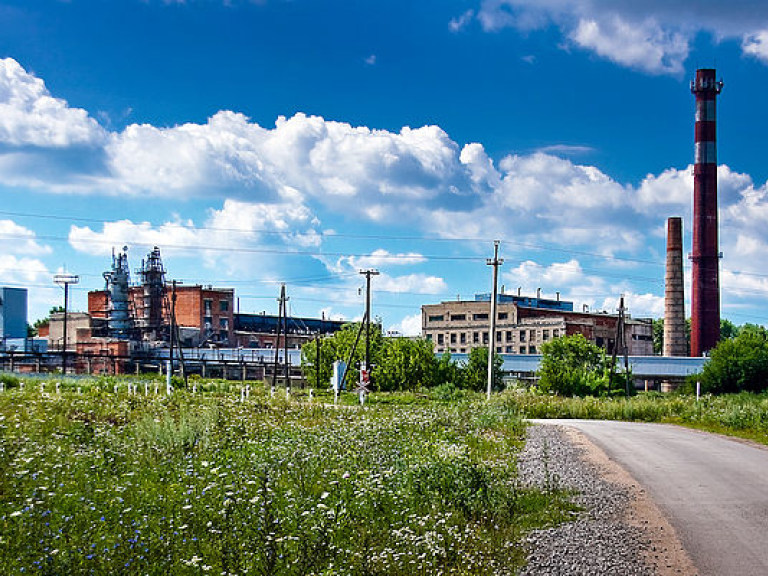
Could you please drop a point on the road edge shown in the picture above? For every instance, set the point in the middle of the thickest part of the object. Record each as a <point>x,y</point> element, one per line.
<point>664,552</point>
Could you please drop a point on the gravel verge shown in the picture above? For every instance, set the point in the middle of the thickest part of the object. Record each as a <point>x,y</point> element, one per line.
<point>600,540</point>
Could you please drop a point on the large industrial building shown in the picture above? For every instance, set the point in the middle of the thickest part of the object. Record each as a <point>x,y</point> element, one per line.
<point>524,323</point>
<point>13,313</point>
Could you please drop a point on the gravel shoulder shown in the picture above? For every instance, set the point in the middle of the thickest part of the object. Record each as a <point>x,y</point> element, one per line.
<point>620,532</point>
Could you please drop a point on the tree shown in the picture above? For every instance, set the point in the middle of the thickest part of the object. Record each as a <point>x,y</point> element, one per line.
<point>738,364</point>
<point>338,347</point>
<point>476,371</point>
<point>728,329</point>
<point>447,371</point>
<point>658,336</point>
<point>574,366</point>
<point>405,364</point>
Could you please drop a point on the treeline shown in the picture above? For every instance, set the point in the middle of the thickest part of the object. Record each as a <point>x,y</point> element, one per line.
<point>399,364</point>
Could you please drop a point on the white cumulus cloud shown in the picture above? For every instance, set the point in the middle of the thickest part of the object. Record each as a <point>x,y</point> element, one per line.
<point>30,116</point>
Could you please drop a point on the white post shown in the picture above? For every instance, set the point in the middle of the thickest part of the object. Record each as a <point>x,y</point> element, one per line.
<point>168,370</point>
<point>698,391</point>
<point>310,395</point>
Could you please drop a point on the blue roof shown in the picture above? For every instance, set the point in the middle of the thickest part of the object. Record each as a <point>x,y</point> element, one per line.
<point>528,301</point>
<point>641,366</point>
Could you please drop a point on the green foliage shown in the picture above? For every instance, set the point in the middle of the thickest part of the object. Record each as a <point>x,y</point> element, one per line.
<point>744,414</point>
<point>658,336</point>
<point>738,364</point>
<point>405,364</point>
<point>574,366</point>
<point>339,347</point>
<point>105,483</point>
<point>476,371</point>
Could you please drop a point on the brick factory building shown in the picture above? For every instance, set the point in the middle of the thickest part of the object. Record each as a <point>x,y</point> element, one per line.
<point>205,315</point>
<point>523,324</point>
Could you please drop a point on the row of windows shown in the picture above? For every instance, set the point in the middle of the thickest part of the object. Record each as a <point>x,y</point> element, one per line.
<point>208,305</point>
<point>463,317</point>
<point>507,336</point>
<point>499,350</point>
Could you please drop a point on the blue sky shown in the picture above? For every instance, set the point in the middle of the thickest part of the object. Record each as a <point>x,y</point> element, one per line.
<point>298,142</point>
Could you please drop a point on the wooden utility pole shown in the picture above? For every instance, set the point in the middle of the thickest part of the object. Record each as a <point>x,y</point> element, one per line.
<point>368,274</point>
<point>281,322</point>
<point>496,262</point>
<point>620,345</point>
<point>65,280</point>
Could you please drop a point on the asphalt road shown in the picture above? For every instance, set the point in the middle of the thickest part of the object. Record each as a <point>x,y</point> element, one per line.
<point>712,489</point>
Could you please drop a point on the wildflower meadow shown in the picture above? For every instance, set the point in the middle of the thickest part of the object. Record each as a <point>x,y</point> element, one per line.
<point>116,478</point>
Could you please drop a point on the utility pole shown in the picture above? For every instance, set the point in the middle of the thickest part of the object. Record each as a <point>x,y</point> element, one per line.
<point>318,358</point>
<point>65,280</point>
<point>496,262</point>
<point>620,345</point>
<point>173,330</point>
<point>281,313</point>
<point>368,274</point>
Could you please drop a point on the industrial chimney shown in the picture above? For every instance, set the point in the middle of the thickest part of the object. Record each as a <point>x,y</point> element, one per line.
<point>674,292</point>
<point>705,288</point>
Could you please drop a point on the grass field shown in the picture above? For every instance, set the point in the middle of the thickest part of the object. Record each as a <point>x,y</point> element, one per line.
<point>98,482</point>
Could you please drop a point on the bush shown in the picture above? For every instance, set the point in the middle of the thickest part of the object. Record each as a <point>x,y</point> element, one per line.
<point>739,364</point>
<point>574,366</point>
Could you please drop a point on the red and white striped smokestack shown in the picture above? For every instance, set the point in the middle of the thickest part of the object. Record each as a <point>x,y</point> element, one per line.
<point>705,287</point>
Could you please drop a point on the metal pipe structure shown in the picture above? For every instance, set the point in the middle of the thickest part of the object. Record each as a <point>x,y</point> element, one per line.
<point>705,288</point>
<point>674,292</point>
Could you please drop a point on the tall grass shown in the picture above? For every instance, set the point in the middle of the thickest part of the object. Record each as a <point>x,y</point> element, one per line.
<point>104,483</point>
<point>742,414</point>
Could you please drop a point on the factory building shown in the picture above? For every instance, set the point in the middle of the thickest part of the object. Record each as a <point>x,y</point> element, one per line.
<point>13,313</point>
<point>260,330</point>
<point>524,323</point>
<point>142,312</point>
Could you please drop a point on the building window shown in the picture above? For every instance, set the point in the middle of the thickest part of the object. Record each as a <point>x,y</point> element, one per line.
<point>458,317</point>
<point>522,349</point>
<point>485,337</point>
<point>224,323</point>
<point>531,349</point>
<point>463,338</point>
<point>463,350</point>
<point>498,349</point>
<point>479,316</point>
<point>440,339</point>
<point>429,337</point>
<point>223,305</point>
<point>476,337</point>
<point>556,333</point>
<point>522,335</point>
<point>503,315</point>
<point>509,335</point>
<point>224,335</point>
<point>498,336</point>
<point>436,318</point>
<point>532,335</point>
<point>545,335</point>
<point>453,338</point>
<point>509,349</point>
<point>207,306</point>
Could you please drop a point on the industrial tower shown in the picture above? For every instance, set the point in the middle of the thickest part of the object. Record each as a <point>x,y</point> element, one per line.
<point>705,288</point>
